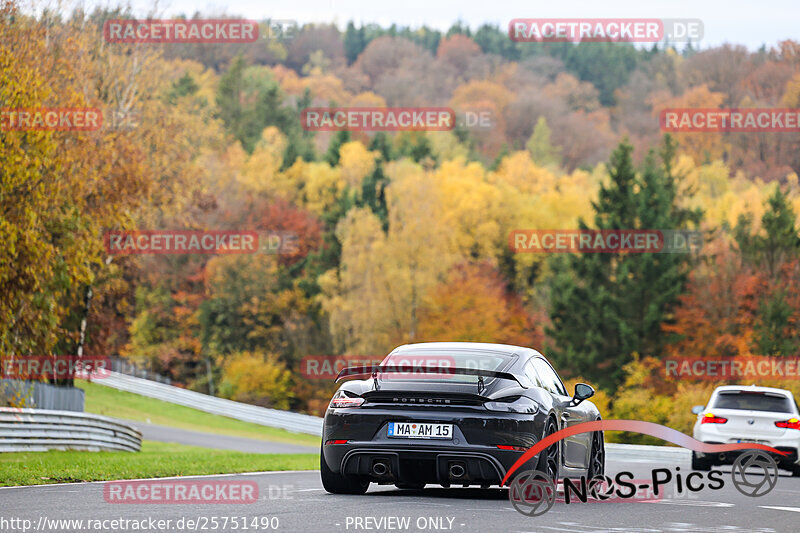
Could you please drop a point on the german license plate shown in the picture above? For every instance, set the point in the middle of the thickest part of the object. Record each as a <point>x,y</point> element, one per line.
<point>417,430</point>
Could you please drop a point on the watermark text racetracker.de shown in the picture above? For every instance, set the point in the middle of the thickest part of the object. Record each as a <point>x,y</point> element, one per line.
<point>369,119</point>
<point>180,31</point>
<point>51,119</point>
<point>210,31</point>
<point>328,366</point>
<point>732,368</point>
<point>378,119</point>
<point>67,119</point>
<point>574,30</point>
<point>732,120</point>
<point>200,242</point>
<point>181,492</point>
<point>604,241</point>
<point>398,366</point>
<point>54,367</point>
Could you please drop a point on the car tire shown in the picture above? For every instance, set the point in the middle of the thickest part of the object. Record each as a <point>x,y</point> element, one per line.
<point>597,458</point>
<point>550,457</point>
<point>410,486</point>
<point>338,483</point>
<point>796,471</point>
<point>700,464</point>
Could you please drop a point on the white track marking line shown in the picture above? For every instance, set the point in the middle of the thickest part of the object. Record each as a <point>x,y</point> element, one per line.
<point>793,509</point>
<point>690,503</point>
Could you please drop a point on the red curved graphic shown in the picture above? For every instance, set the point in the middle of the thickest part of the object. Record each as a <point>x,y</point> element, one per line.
<point>637,426</point>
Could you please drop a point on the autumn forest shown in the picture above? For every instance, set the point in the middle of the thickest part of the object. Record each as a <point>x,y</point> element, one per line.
<point>401,236</point>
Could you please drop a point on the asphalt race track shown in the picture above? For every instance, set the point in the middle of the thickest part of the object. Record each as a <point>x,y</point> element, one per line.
<point>296,502</point>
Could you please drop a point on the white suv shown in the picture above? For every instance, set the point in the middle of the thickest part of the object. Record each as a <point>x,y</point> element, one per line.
<point>737,413</point>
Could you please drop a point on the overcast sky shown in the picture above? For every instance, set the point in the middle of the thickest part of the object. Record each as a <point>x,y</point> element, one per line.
<point>747,22</point>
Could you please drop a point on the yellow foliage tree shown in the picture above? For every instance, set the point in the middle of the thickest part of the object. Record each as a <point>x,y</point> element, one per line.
<point>261,172</point>
<point>356,163</point>
<point>534,197</point>
<point>470,209</point>
<point>256,378</point>
<point>321,185</point>
<point>62,189</point>
<point>375,298</point>
<point>367,99</point>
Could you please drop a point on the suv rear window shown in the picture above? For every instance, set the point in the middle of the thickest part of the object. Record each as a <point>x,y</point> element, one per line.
<point>754,401</point>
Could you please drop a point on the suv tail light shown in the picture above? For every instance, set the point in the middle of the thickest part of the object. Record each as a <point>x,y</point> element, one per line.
<point>711,419</point>
<point>343,399</point>
<point>792,423</point>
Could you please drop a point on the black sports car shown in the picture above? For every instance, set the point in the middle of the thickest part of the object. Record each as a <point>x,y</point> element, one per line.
<point>453,413</point>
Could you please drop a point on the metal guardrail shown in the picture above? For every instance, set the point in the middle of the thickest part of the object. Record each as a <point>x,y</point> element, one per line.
<point>43,395</point>
<point>646,453</point>
<point>123,366</point>
<point>296,422</point>
<point>33,430</point>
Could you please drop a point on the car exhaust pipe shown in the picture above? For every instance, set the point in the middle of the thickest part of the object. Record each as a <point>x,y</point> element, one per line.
<point>457,470</point>
<point>722,457</point>
<point>379,468</point>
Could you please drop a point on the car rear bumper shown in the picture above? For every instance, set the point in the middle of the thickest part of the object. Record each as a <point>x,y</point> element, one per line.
<point>392,463</point>
<point>726,458</point>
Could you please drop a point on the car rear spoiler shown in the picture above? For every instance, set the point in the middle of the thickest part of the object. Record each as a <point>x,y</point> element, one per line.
<point>374,370</point>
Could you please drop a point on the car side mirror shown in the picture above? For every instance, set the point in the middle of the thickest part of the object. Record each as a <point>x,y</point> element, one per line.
<point>582,392</point>
<point>697,409</point>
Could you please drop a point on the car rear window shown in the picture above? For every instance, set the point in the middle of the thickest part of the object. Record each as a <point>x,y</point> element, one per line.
<point>754,401</point>
<point>448,359</point>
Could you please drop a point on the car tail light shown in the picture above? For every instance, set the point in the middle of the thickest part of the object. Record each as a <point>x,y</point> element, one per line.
<point>342,399</point>
<point>711,419</point>
<point>514,404</point>
<point>792,423</point>
<point>512,448</point>
<point>337,441</point>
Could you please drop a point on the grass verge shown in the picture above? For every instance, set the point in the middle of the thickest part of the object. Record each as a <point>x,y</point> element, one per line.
<point>157,459</point>
<point>106,401</point>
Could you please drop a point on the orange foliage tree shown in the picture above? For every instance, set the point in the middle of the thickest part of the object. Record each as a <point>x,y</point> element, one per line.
<point>716,314</point>
<point>474,305</point>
